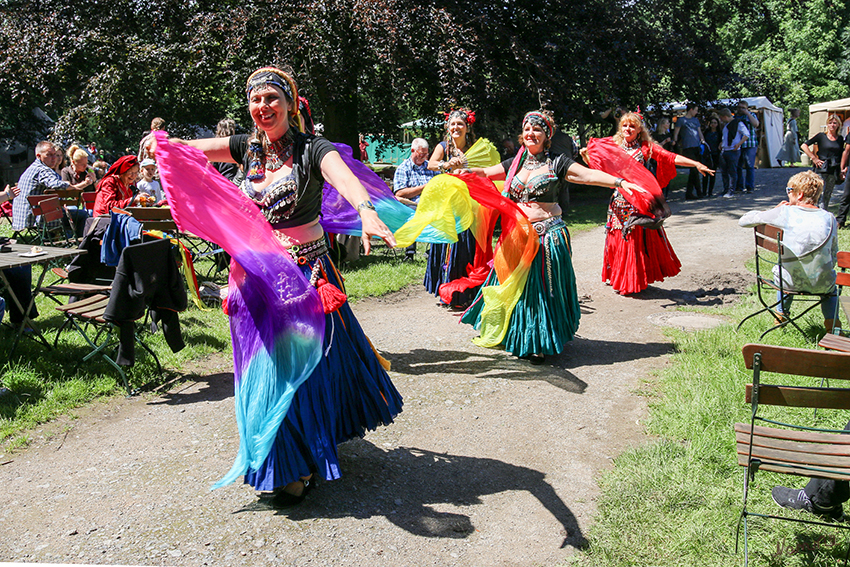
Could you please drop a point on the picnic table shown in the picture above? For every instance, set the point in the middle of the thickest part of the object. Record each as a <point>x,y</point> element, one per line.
<point>22,255</point>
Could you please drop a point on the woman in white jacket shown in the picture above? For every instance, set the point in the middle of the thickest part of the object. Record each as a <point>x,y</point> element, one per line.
<point>810,243</point>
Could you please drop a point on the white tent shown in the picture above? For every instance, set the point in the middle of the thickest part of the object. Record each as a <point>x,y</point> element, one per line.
<point>771,127</point>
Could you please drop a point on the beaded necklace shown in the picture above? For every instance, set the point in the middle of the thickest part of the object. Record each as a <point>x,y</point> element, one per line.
<point>279,152</point>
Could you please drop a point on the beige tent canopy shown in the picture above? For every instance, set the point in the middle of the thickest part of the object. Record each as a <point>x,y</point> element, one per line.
<point>819,112</point>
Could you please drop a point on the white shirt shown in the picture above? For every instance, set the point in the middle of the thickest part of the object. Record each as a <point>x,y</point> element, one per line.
<point>152,188</point>
<point>742,131</point>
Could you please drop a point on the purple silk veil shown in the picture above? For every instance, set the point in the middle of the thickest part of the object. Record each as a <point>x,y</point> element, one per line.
<point>276,318</point>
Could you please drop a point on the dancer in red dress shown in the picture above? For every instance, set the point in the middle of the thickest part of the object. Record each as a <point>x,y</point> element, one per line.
<point>637,251</point>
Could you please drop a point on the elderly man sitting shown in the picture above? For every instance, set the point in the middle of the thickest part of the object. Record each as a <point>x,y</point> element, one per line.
<point>410,178</point>
<point>41,177</point>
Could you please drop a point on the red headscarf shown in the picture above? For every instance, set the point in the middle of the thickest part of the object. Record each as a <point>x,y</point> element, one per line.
<point>122,165</point>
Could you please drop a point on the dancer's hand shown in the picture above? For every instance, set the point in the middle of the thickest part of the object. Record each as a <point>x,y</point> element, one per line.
<point>703,169</point>
<point>628,187</point>
<point>374,226</point>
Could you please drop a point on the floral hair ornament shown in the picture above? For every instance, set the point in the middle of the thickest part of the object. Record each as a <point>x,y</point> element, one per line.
<point>467,116</point>
<point>537,118</point>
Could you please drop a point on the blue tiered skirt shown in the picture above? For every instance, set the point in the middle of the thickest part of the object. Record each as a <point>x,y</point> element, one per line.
<point>547,314</point>
<point>448,262</point>
<point>348,394</point>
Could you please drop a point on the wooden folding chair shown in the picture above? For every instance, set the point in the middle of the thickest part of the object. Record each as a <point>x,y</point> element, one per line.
<point>68,197</point>
<point>842,280</point>
<point>86,316</point>
<point>770,252</point>
<point>47,207</point>
<point>795,449</point>
<point>154,218</point>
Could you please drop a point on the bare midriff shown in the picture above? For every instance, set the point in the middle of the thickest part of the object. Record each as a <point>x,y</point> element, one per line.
<point>300,234</point>
<point>539,211</point>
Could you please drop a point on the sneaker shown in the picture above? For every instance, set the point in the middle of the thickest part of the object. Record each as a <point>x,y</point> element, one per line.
<point>727,195</point>
<point>795,499</point>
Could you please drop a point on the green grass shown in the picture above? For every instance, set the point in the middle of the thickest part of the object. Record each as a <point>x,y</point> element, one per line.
<point>382,272</point>
<point>46,384</point>
<point>676,499</point>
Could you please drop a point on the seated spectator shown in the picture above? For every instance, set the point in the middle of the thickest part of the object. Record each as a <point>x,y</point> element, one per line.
<point>78,170</point>
<point>115,190</point>
<point>810,242</point>
<point>39,178</point>
<point>410,178</point>
<point>148,184</point>
<point>821,496</point>
<point>100,168</point>
<point>20,280</point>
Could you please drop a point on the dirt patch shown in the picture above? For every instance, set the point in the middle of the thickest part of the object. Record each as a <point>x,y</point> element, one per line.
<point>492,462</point>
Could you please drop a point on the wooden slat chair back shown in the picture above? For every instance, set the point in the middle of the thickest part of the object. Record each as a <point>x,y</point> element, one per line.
<point>68,197</point>
<point>88,198</point>
<point>835,342</point>
<point>769,252</point>
<point>51,212</point>
<point>154,218</point>
<point>842,280</point>
<point>799,449</point>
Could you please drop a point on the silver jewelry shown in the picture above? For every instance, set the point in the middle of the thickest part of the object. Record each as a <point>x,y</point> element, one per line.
<point>531,162</point>
<point>367,204</point>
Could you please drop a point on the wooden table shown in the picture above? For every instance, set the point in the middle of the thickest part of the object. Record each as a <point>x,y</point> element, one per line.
<point>13,259</point>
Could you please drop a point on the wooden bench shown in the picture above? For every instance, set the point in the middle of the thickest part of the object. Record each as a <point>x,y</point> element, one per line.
<point>792,449</point>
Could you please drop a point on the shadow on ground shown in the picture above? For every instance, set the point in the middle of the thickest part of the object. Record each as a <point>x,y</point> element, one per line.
<point>407,486</point>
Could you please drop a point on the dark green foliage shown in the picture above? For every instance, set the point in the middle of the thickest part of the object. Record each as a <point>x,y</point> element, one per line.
<point>103,69</point>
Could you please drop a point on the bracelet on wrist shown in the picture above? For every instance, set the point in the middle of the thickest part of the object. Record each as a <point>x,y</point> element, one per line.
<point>367,204</point>
<point>618,182</point>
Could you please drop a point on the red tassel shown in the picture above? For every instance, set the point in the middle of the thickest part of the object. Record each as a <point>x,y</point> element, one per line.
<point>331,296</point>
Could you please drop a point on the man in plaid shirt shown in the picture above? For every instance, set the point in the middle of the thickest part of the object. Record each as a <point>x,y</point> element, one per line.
<point>410,178</point>
<point>749,149</point>
<point>40,178</point>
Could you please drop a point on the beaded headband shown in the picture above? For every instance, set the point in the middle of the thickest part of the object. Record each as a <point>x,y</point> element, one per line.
<point>272,76</point>
<point>536,118</point>
<point>466,115</point>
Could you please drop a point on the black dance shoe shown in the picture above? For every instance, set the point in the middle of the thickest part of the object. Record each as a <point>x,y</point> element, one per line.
<point>284,499</point>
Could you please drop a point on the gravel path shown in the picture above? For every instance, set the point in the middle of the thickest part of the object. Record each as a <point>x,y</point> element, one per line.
<point>493,462</point>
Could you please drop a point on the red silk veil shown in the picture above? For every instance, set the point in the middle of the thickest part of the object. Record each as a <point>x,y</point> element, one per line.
<point>605,155</point>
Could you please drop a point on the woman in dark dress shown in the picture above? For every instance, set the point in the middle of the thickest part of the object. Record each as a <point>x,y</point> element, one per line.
<point>825,149</point>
